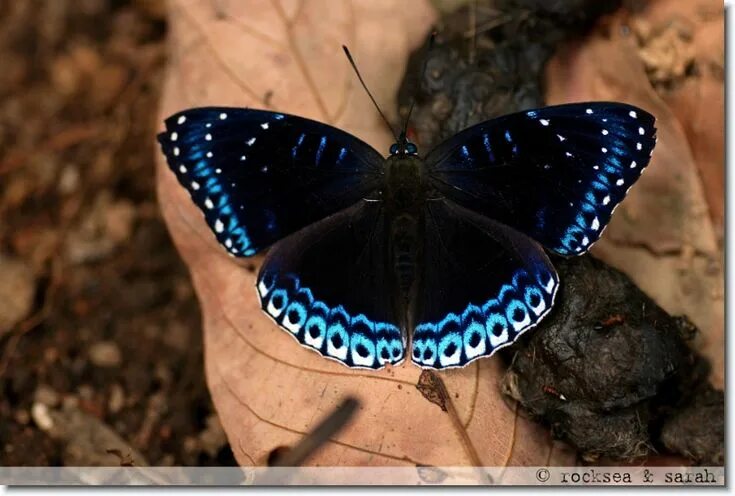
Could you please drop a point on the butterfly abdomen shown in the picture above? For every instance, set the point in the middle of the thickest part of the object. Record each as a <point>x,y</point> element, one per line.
<point>403,197</point>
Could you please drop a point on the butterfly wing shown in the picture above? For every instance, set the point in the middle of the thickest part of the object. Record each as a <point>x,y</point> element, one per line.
<point>483,285</point>
<point>327,286</point>
<point>258,176</point>
<point>556,173</point>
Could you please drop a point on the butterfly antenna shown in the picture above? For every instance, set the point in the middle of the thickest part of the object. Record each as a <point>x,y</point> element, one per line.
<point>430,46</point>
<point>354,67</point>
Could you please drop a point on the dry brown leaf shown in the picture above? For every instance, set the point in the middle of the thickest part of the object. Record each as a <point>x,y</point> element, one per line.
<point>699,100</point>
<point>662,236</point>
<point>267,389</point>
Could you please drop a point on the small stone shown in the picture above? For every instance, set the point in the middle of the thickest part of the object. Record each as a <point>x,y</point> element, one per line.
<point>46,395</point>
<point>41,417</point>
<point>119,220</point>
<point>17,288</point>
<point>22,417</point>
<point>105,354</point>
<point>117,399</point>
<point>213,438</point>
<point>69,180</point>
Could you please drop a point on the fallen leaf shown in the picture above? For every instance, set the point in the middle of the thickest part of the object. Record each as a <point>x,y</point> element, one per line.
<point>662,235</point>
<point>699,100</point>
<point>267,389</point>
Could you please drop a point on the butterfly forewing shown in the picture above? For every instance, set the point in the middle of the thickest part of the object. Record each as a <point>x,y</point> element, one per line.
<point>328,286</point>
<point>258,176</point>
<point>555,174</point>
<point>483,285</point>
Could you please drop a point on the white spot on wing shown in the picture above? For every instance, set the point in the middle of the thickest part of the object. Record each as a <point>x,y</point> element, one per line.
<point>262,289</point>
<point>479,349</point>
<point>549,287</point>
<point>520,325</point>
<point>453,359</point>
<point>605,132</point>
<point>182,169</point>
<point>219,226</point>
<point>604,150</point>
<point>251,141</point>
<point>181,119</point>
<point>589,111</point>
<point>544,122</point>
<point>222,116</point>
<point>228,243</point>
<point>208,203</point>
<point>595,224</point>
<point>210,154</point>
<point>606,200</point>
<point>264,125</point>
<point>639,146</point>
<point>340,353</point>
<point>633,114</point>
<point>174,136</point>
<point>176,151</point>
<point>633,164</point>
<point>538,309</point>
<point>641,131</point>
<point>208,137</point>
<point>293,327</point>
<point>194,185</point>
<point>496,341</point>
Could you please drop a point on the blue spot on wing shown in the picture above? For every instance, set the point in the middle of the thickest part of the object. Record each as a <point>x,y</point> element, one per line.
<point>480,330</point>
<point>355,340</point>
<point>251,172</point>
<point>563,159</point>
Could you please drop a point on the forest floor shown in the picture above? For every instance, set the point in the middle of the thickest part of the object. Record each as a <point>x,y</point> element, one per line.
<point>100,332</point>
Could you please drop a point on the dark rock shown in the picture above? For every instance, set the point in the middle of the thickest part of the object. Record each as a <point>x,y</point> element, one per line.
<point>697,431</point>
<point>606,366</point>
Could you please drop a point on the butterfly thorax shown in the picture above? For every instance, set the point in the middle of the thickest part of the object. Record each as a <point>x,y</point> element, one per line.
<point>404,183</point>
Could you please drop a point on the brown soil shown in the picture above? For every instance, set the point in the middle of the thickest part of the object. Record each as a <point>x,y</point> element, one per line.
<point>100,322</point>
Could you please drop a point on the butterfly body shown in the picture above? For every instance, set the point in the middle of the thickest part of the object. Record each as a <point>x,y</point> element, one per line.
<point>403,195</point>
<point>440,256</point>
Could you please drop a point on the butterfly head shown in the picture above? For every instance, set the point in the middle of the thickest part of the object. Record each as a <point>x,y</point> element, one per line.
<point>403,147</point>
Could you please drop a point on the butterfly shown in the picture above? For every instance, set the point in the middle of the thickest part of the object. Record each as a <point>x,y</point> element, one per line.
<point>444,253</point>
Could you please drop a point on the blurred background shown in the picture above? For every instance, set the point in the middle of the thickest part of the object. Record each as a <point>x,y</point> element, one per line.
<point>97,312</point>
<point>101,356</point>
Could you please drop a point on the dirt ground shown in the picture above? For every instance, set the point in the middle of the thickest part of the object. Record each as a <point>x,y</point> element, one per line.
<point>99,325</point>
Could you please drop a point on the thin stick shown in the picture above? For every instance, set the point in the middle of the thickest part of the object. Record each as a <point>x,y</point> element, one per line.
<point>319,435</point>
<point>473,30</point>
<point>354,66</point>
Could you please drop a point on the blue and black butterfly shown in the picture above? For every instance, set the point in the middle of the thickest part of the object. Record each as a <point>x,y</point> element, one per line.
<point>445,252</point>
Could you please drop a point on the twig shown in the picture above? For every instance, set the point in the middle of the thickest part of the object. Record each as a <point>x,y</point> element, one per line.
<point>312,441</point>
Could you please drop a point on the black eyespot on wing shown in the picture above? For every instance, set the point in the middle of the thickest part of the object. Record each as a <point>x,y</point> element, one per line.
<point>307,284</point>
<point>483,285</point>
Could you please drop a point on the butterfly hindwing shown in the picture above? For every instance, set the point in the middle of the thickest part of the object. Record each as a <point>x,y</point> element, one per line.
<point>555,174</point>
<point>327,285</point>
<point>258,176</point>
<point>483,284</point>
